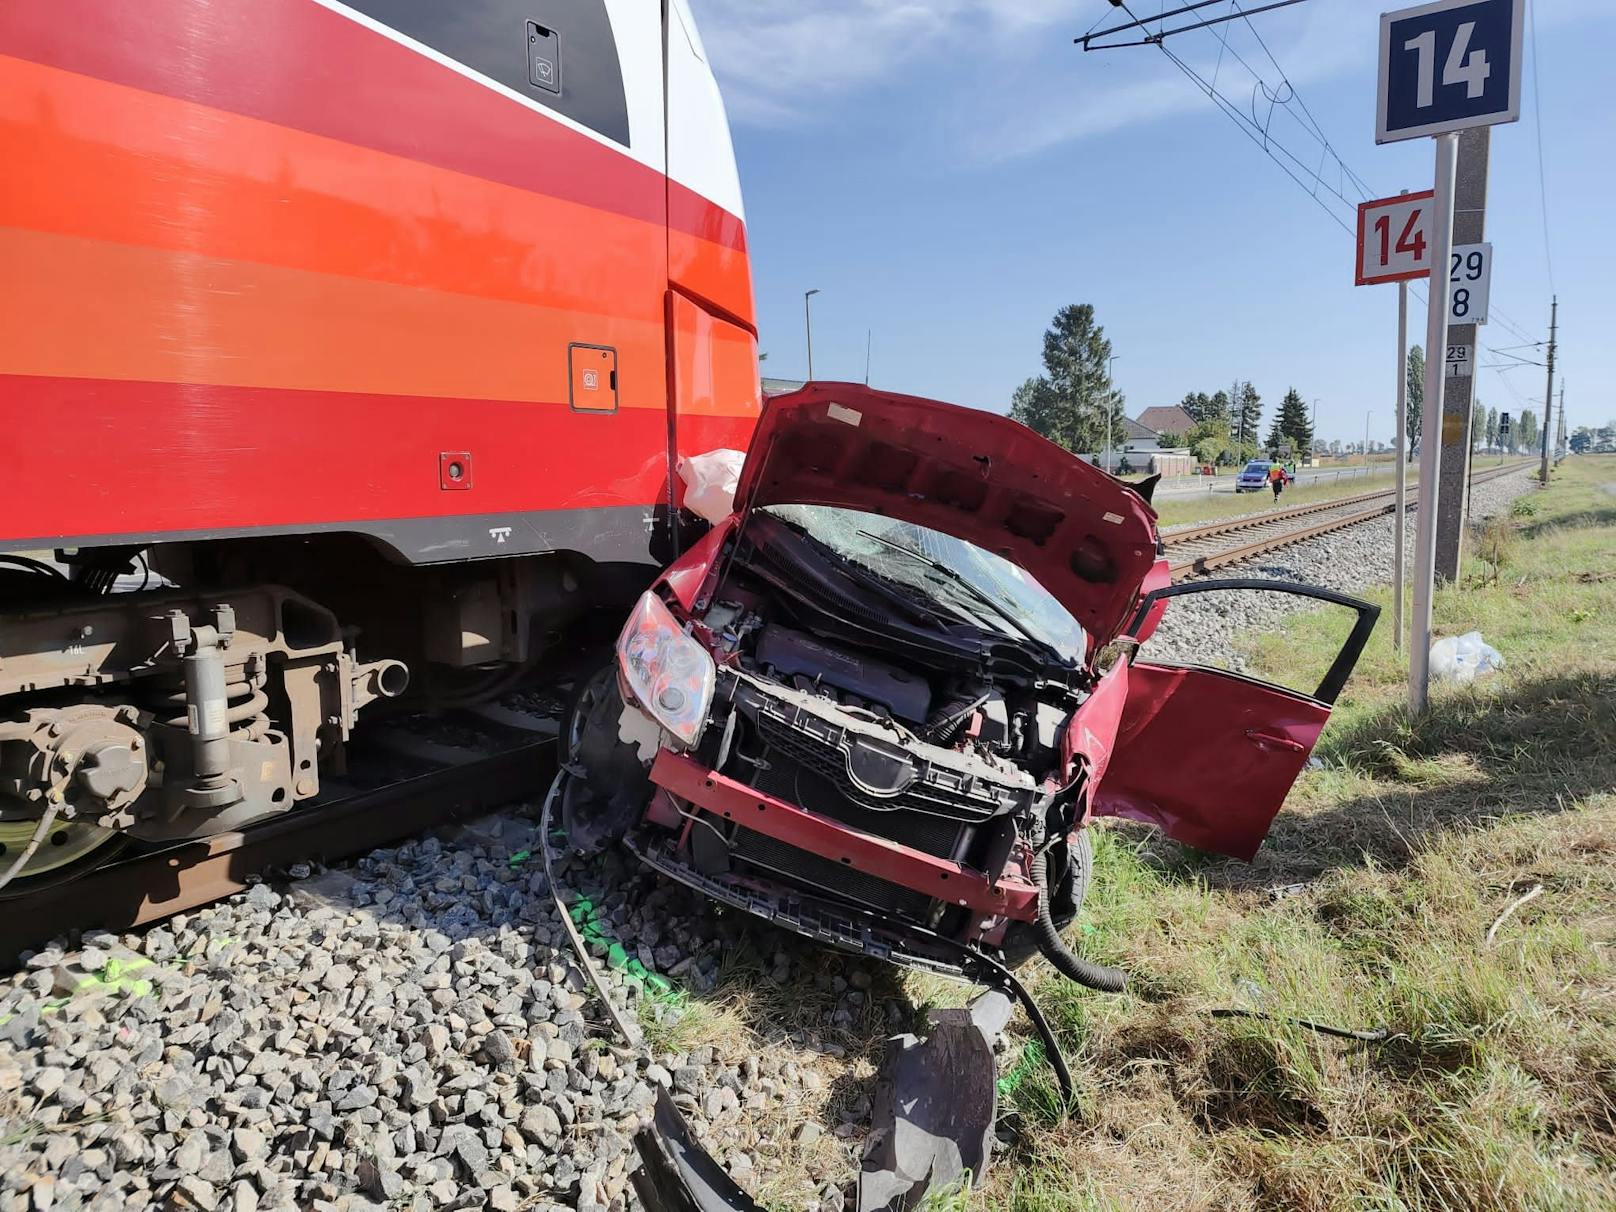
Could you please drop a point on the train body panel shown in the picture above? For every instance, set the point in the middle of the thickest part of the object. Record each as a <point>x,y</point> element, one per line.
<point>272,259</point>
<point>389,315</point>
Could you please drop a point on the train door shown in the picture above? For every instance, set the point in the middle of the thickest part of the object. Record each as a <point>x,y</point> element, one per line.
<point>713,383</point>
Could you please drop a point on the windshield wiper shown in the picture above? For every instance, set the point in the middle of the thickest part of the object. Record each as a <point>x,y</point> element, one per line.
<point>975,592</point>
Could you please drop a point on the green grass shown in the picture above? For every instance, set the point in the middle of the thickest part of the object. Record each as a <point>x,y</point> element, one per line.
<point>1497,1086</point>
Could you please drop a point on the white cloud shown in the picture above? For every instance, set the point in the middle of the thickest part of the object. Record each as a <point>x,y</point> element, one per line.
<point>1088,101</point>
<point>786,62</point>
<point>778,60</point>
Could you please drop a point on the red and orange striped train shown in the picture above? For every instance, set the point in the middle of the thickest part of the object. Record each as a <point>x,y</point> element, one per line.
<point>369,332</point>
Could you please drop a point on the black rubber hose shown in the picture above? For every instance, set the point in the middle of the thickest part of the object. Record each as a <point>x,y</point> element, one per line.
<point>1072,967</point>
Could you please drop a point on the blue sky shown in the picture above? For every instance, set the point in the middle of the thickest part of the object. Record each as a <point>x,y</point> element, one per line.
<point>948,173</point>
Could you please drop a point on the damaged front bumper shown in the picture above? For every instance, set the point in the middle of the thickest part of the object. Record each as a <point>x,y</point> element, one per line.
<point>932,876</point>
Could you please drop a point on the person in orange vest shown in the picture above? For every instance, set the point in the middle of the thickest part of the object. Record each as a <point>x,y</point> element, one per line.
<point>1276,479</point>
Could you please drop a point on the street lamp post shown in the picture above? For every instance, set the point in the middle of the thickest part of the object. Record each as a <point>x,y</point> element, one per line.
<point>1109,363</point>
<point>808,325</point>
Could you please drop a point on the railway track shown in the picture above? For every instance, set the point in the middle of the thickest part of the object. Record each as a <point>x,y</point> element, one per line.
<point>413,781</point>
<point>404,784</point>
<point>1196,550</point>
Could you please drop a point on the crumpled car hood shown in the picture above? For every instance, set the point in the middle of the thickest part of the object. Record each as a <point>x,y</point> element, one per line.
<point>978,476</point>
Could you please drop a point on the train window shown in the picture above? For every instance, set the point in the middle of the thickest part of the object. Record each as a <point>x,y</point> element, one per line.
<point>559,53</point>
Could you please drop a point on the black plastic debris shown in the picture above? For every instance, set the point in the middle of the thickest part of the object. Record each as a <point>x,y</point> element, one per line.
<point>934,1107</point>
<point>676,1174</point>
<point>932,1126</point>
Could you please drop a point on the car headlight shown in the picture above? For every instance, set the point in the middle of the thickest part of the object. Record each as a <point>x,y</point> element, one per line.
<point>665,671</point>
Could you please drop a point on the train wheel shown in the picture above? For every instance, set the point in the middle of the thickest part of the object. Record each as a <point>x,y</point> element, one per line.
<point>68,851</point>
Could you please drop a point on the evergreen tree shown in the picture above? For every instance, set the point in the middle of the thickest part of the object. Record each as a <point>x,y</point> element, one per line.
<point>1069,403</point>
<point>1033,404</point>
<point>1276,438</point>
<point>1291,427</point>
<point>1247,415</point>
<point>1492,428</point>
<point>1218,409</point>
<point>1416,396</point>
<point>1197,404</point>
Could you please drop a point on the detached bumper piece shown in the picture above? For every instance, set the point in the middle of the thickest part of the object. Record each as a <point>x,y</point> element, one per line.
<point>933,1124</point>
<point>676,1174</point>
<point>934,1108</point>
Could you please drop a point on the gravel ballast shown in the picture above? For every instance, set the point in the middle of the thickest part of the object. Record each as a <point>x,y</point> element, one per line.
<point>412,1032</point>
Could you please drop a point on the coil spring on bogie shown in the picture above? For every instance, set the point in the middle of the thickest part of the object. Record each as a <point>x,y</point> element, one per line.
<point>245,715</point>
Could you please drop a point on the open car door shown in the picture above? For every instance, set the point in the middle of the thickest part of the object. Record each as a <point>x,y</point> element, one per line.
<point>1207,755</point>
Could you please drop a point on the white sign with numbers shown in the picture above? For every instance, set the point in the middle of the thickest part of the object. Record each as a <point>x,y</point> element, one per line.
<point>1459,362</point>
<point>1394,238</point>
<point>1470,272</point>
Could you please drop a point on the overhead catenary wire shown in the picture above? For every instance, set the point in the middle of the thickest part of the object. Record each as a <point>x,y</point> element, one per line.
<point>1162,33</point>
<point>1364,191</point>
<point>1309,179</point>
<point>1279,96</point>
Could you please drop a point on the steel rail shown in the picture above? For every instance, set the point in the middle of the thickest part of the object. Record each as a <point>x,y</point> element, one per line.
<point>1378,505</point>
<point>148,887</point>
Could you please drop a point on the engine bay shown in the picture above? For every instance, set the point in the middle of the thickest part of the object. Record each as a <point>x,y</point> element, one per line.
<point>861,701</point>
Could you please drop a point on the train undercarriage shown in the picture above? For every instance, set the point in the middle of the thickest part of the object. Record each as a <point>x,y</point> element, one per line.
<point>151,696</point>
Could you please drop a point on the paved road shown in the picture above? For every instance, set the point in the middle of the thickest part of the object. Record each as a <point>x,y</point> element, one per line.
<point>1348,477</point>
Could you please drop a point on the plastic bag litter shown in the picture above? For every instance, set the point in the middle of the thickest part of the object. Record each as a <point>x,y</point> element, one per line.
<point>710,481</point>
<point>1457,660</point>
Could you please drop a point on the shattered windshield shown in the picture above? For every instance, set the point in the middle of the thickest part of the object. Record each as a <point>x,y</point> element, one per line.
<point>1001,595</point>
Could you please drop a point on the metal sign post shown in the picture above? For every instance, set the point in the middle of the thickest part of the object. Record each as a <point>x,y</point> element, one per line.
<point>1444,67</point>
<point>1436,338</point>
<point>1399,525</point>
<point>1394,245</point>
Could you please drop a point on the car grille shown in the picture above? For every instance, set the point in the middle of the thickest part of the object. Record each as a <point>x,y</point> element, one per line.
<point>810,790</point>
<point>821,746</point>
<point>830,878</point>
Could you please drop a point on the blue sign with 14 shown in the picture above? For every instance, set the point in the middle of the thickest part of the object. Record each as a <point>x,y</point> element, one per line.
<point>1449,65</point>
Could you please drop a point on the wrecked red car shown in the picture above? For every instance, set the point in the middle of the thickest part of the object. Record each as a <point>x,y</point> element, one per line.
<point>879,703</point>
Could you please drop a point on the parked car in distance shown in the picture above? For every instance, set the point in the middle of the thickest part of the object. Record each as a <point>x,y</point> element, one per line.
<point>1253,476</point>
<point>880,702</point>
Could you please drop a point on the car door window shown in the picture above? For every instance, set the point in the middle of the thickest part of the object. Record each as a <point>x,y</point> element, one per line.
<point>1246,626</point>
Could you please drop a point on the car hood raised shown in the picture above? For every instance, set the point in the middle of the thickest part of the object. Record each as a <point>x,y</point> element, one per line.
<point>975,475</point>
